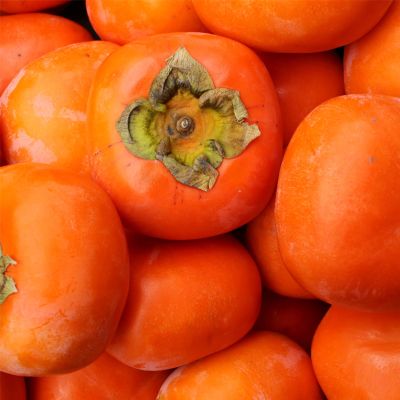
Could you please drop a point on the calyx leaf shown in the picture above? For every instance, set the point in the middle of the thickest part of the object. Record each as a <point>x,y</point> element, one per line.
<point>7,284</point>
<point>187,123</point>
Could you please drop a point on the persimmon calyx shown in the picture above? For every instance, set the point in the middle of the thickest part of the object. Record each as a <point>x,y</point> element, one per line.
<point>186,123</point>
<point>7,284</point>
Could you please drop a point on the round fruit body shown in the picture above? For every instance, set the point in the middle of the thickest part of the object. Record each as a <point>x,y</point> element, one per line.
<point>187,300</point>
<point>262,241</point>
<point>149,193</point>
<point>64,267</point>
<point>104,379</point>
<point>121,21</point>
<point>291,26</point>
<point>338,202</point>
<point>356,354</point>
<point>303,81</point>
<point>372,63</point>
<point>12,387</point>
<point>25,37</point>
<point>263,365</point>
<point>43,111</point>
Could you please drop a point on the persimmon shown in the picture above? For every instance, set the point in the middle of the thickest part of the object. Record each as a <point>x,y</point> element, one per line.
<point>104,379</point>
<point>122,21</point>
<point>25,37</point>
<point>338,202</point>
<point>263,365</point>
<point>64,269</point>
<point>372,63</point>
<point>43,111</point>
<point>303,81</point>
<point>24,6</point>
<point>12,387</point>
<point>291,26</point>
<point>186,300</point>
<point>295,318</point>
<point>356,355</point>
<point>185,134</point>
<point>262,241</point>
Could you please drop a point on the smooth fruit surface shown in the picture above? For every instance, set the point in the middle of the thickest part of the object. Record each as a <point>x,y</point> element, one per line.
<point>70,270</point>
<point>263,365</point>
<point>291,26</point>
<point>338,202</point>
<point>43,111</point>
<point>25,37</point>
<point>372,63</point>
<point>187,300</point>
<point>356,355</point>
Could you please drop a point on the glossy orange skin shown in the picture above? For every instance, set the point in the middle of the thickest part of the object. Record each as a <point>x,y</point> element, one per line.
<point>187,300</point>
<point>43,111</point>
<point>71,274</point>
<point>147,196</point>
<point>303,81</point>
<point>12,387</point>
<point>295,318</point>
<point>263,365</point>
<point>372,63</point>
<point>26,6</point>
<point>262,241</point>
<point>291,26</point>
<point>122,21</point>
<point>338,202</point>
<point>104,379</point>
<point>25,37</point>
<point>356,355</point>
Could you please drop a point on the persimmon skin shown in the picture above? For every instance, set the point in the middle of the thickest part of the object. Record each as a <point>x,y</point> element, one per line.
<point>12,387</point>
<point>147,196</point>
<point>104,379</point>
<point>121,21</point>
<point>295,318</point>
<point>43,111</point>
<point>187,300</point>
<point>60,228</point>
<point>25,37</point>
<point>263,365</point>
<point>338,202</point>
<point>262,241</point>
<point>24,6</point>
<point>372,63</point>
<point>356,354</point>
<point>303,81</point>
<point>291,26</point>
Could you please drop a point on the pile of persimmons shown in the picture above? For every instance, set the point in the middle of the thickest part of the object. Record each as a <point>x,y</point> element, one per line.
<point>200,200</point>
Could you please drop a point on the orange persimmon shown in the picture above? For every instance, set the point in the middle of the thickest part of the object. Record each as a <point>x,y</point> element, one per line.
<point>356,354</point>
<point>185,134</point>
<point>64,270</point>
<point>187,300</point>
<point>122,21</point>
<point>291,26</point>
<point>43,110</point>
<point>372,63</point>
<point>338,202</point>
<point>264,365</point>
<point>25,37</point>
<point>104,379</point>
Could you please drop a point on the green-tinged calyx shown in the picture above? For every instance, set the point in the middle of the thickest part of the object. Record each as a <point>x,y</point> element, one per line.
<point>187,123</point>
<point>7,284</point>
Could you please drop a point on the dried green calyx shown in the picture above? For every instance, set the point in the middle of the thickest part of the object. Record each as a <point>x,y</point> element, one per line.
<point>7,284</point>
<point>186,123</point>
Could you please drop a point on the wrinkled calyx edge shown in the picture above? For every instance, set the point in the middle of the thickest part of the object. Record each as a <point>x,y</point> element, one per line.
<point>7,284</point>
<point>192,139</point>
